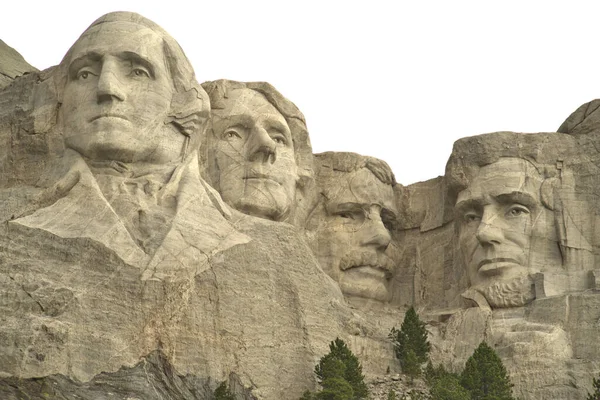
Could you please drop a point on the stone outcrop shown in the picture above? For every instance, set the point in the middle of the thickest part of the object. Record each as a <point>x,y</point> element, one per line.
<point>12,64</point>
<point>160,236</point>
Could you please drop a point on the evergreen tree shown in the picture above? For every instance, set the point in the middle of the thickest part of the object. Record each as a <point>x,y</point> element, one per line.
<point>335,388</point>
<point>596,394</point>
<point>222,392</point>
<point>411,336</point>
<point>348,368</point>
<point>485,376</point>
<point>412,367</point>
<point>447,387</point>
<point>307,395</point>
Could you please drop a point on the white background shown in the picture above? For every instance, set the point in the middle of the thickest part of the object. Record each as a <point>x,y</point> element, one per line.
<point>398,80</point>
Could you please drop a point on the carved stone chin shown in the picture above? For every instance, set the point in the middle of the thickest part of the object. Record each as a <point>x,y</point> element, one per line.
<point>159,236</point>
<point>517,292</point>
<point>505,232</point>
<point>355,217</point>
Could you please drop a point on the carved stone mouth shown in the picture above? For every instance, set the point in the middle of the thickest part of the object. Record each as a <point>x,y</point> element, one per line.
<point>257,176</point>
<point>108,115</point>
<point>378,271</point>
<point>496,264</point>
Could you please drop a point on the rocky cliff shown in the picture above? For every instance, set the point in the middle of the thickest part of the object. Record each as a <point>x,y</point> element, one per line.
<point>160,236</point>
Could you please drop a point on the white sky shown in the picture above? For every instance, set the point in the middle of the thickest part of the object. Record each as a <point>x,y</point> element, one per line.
<point>398,80</point>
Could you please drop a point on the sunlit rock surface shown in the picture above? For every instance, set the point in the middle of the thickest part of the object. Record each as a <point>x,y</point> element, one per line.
<point>160,236</point>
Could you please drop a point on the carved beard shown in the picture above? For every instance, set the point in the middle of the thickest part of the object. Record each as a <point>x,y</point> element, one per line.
<point>514,293</point>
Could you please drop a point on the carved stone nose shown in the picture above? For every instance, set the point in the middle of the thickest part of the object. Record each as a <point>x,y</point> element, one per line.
<point>109,86</point>
<point>488,232</point>
<point>376,234</point>
<point>261,147</point>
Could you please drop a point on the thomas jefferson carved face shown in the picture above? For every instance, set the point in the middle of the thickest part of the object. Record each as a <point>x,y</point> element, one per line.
<point>118,96</point>
<point>505,232</point>
<point>254,154</point>
<point>354,236</point>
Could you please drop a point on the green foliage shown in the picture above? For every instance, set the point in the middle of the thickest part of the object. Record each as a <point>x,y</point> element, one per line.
<point>307,395</point>
<point>341,363</point>
<point>412,336</point>
<point>412,367</point>
<point>335,388</point>
<point>447,387</point>
<point>485,376</point>
<point>391,395</point>
<point>222,392</point>
<point>596,394</point>
<point>414,395</point>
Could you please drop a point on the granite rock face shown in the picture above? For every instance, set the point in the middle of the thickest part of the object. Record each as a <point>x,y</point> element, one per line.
<point>160,236</point>
<point>12,64</point>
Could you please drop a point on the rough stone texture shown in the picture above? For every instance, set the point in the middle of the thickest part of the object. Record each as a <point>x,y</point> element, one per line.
<point>160,236</point>
<point>12,64</point>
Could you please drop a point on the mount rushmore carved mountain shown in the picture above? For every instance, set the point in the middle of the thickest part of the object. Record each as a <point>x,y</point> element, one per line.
<point>160,236</point>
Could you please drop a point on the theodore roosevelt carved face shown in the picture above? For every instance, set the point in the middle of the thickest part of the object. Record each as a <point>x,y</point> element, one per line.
<point>353,235</point>
<point>505,232</point>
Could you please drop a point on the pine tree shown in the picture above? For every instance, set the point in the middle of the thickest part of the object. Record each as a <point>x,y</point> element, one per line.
<point>335,388</point>
<point>485,376</point>
<point>222,392</point>
<point>351,371</point>
<point>411,336</point>
<point>596,394</point>
<point>412,367</point>
<point>307,395</point>
<point>447,387</point>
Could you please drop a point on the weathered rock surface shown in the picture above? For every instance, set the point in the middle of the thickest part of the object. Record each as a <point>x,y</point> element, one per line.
<point>160,236</point>
<point>12,64</point>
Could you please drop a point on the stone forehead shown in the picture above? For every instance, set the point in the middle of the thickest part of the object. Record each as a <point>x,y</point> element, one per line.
<point>508,174</point>
<point>360,186</point>
<point>244,100</point>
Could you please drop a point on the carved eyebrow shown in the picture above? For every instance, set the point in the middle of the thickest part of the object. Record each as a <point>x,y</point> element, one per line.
<point>280,126</point>
<point>517,197</point>
<point>79,62</point>
<point>469,204</point>
<point>240,120</point>
<point>138,59</point>
<point>345,207</point>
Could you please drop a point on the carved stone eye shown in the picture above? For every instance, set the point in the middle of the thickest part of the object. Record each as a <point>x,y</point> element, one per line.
<point>471,217</point>
<point>231,134</point>
<point>141,73</point>
<point>517,211</point>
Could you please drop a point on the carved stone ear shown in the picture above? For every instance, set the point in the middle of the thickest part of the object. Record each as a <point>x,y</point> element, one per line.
<point>547,192</point>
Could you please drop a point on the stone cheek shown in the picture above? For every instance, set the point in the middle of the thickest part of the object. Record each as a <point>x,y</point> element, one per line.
<point>129,257</point>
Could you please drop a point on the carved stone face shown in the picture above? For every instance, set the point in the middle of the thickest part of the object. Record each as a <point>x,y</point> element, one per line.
<point>354,237</point>
<point>254,153</point>
<point>505,233</point>
<point>118,95</point>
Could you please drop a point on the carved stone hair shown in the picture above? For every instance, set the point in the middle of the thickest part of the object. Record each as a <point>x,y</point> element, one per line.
<point>544,152</point>
<point>349,162</point>
<point>190,107</point>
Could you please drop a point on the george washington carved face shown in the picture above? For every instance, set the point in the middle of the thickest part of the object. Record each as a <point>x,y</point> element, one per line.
<point>118,94</point>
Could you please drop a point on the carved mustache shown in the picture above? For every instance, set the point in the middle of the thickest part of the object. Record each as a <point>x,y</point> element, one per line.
<point>359,258</point>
